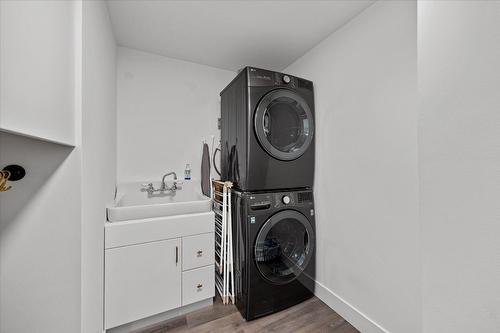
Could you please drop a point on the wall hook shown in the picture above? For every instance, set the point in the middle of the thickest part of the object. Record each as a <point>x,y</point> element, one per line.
<point>4,176</point>
<point>11,172</point>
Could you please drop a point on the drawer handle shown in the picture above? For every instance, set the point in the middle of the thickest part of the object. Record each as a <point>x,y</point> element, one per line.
<point>200,252</point>
<point>199,286</point>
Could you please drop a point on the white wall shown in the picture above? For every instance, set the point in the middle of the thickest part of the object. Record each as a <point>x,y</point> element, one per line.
<point>40,229</point>
<point>40,238</point>
<point>52,232</point>
<point>166,107</point>
<point>366,184</point>
<point>98,154</point>
<point>37,68</point>
<point>459,133</point>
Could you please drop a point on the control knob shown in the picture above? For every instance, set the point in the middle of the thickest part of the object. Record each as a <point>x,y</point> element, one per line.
<point>286,199</point>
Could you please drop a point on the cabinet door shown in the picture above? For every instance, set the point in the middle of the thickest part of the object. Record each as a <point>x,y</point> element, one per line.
<point>141,280</point>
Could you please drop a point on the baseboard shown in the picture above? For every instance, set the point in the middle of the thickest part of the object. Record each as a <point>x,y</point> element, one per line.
<point>156,319</point>
<point>355,317</point>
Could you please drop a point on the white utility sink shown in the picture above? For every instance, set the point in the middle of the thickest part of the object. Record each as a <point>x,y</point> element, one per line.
<point>133,203</point>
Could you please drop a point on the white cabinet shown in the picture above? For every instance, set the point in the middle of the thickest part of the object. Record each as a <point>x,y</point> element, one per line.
<point>40,59</point>
<point>142,280</point>
<point>156,265</point>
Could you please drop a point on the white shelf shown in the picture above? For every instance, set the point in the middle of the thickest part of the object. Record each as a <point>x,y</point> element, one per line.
<point>37,137</point>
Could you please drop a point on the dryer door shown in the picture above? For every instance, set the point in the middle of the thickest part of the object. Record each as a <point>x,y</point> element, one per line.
<point>284,246</point>
<point>284,124</point>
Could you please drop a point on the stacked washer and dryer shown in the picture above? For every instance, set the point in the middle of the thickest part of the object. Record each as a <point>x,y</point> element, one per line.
<point>267,139</point>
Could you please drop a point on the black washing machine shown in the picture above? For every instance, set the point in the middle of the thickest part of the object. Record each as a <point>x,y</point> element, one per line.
<point>274,250</point>
<point>267,131</point>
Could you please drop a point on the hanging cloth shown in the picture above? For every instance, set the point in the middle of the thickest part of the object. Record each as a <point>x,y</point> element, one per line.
<point>205,171</point>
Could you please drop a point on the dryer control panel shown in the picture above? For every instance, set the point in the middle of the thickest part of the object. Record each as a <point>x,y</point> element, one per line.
<point>263,78</point>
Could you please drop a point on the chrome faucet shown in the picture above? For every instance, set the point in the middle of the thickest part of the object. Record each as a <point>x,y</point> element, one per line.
<point>163,186</point>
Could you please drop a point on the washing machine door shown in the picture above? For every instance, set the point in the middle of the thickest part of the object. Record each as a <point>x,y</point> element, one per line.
<point>284,246</point>
<point>284,124</point>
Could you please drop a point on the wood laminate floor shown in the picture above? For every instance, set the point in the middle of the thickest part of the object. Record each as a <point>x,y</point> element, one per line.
<point>310,316</point>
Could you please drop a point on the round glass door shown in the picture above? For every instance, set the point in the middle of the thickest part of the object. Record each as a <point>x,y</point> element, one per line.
<point>284,246</point>
<point>284,124</point>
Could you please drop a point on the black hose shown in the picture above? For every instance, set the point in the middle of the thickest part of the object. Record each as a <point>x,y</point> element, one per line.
<point>213,160</point>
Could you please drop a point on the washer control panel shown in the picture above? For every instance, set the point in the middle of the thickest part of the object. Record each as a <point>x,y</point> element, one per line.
<point>260,201</point>
<point>264,201</point>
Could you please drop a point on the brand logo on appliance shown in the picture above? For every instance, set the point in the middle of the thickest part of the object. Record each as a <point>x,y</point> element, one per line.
<point>263,77</point>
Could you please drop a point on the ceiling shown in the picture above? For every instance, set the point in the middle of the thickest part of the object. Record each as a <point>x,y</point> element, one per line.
<point>230,34</point>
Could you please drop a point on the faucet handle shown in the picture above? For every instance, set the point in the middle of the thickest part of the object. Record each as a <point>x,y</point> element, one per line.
<point>178,184</point>
<point>148,188</point>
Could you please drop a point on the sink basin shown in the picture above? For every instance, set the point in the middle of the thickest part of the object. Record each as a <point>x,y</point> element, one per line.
<point>133,203</point>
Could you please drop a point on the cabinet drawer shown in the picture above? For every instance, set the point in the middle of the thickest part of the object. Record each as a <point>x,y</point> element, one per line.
<point>198,284</point>
<point>197,251</point>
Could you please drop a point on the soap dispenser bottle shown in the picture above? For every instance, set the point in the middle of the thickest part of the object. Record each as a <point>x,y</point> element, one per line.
<point>187,172</point>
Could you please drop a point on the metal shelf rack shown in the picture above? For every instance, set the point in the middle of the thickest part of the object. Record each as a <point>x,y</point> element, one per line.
<point>224,275</point>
